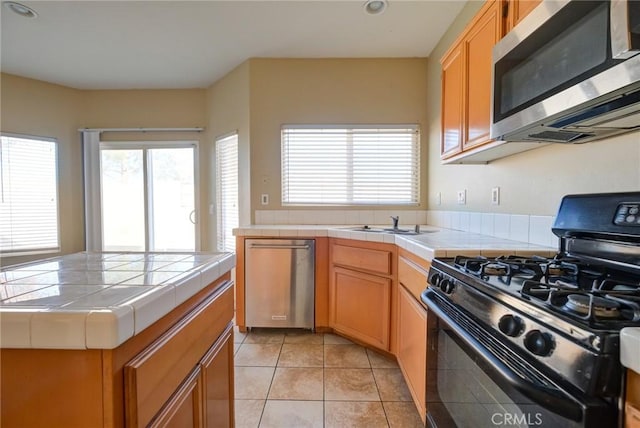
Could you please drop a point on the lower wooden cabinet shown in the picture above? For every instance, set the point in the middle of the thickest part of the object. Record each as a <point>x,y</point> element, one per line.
<point>205,398</point>
<point>632,405</point>
<point>360,306</point>
<point>412,327</point>
<point>184,408</point>
<point>412,347</point>
<point>362,292</point>
<point>178,372</point>
<point>217,383</point>
<point>185,377</point>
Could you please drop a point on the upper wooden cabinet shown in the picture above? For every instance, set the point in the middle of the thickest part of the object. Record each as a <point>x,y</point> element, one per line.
<point>516,10</point>
<point>466,78</point>
<point>466,82</point>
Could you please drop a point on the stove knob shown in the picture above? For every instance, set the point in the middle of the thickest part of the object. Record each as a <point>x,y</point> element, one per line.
<point>446,285</point>
<point>511,325</point>
<point>539,343</point>
<point>435,279</point>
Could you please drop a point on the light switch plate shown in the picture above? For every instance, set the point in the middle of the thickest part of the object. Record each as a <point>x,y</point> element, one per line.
<point>462,197</point>
<point>438,198</point>
<point>264,199</point>
<point>495,196</point>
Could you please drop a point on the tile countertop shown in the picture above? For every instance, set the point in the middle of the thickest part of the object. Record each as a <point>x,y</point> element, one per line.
<point>433,242</point>
<point>98,300</point>
<point>437,242</point>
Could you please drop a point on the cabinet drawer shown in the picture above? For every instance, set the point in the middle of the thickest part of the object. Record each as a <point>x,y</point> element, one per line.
<point>378,261</point>
<point>412,276</point>
<point>154,375</point>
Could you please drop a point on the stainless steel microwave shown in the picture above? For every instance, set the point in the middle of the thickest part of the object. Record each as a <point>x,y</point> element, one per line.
<point>569,73</point>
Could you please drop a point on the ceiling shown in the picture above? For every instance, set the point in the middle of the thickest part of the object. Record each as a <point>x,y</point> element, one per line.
<point>191,44</point>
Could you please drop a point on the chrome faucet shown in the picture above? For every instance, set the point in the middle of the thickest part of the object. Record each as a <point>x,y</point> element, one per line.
<point>395,221</point>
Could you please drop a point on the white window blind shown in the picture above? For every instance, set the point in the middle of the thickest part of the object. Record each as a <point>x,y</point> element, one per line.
<point>363,165</point>
<point>28,195</point>
<point>227,191</point>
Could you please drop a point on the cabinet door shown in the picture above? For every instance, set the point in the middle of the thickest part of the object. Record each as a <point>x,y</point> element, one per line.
<point>452,93</point>
<point>478,46</point>
<point>184,408</point>
<point>518,9</point>
<point>217,383</point>
<point>361,306</point>
<point>412,347</point>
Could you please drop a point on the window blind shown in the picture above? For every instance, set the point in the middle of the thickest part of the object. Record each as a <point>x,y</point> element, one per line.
<point>28,195</point>
<point>227,191</point>
<point>362,165</point>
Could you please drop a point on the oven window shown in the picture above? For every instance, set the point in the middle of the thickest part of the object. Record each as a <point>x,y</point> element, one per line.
<point>553,58</point>
<point>463,391</point>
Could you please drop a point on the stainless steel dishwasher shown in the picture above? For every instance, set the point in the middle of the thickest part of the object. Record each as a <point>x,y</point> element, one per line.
<point>279,283</point>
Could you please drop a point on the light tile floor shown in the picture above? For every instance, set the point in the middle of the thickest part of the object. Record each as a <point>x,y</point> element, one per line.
<point>289,378</point>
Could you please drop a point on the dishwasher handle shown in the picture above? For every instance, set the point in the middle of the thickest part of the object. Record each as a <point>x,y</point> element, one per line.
<point>278,247</point>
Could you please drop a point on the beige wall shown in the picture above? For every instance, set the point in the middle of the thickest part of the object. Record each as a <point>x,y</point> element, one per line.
<point>228,111</point>
<point>319,91</point>
<point>160,108</point>
<point>532,182</point>
<point>36,108</point>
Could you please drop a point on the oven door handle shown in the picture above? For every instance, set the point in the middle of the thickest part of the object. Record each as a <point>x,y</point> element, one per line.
<point>549,398</point>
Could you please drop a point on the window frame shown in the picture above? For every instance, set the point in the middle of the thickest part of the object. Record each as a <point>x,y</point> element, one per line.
<point>221,236</point>
<point>415,127</point>
<point>50,250</point>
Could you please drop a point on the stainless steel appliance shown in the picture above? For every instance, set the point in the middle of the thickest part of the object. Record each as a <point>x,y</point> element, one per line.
<point>534,341</point>
<point>279,283</point>
<point>568,73</point>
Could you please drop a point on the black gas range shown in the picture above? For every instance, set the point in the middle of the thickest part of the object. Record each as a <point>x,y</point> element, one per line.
<point>543,332</point>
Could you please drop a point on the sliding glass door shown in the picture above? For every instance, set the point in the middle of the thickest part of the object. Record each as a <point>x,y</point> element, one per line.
<point>148,197</point>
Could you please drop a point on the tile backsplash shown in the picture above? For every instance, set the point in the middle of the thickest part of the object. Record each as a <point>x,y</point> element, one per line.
<point>532,229</point>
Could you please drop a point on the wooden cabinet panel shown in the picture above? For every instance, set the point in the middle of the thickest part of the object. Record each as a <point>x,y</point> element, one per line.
<point>153,376</point>
<point>518,9</point>
<point>361,306</point>
<point>412,347</point>
<point>217,382</point>
<point>632,406</point>
<point>466,83</point>
<point>452,89</point>
<point>479,44</point>
<point>184,408</point>
<point>412,276</point>
<point>378,261</point>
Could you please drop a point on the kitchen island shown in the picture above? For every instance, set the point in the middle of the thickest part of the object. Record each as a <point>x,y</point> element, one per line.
<point>115,339</point>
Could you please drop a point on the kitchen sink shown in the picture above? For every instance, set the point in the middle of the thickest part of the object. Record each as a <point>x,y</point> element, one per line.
<point>398,231</point>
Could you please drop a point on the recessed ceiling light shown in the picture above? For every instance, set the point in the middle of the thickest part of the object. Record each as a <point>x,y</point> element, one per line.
<point>375,7</point>
<point>20,9</point>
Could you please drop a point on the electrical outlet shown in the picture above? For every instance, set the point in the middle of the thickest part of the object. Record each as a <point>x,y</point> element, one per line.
<point>438,198</point>
<point>264,199</point>
<point>462,197</point>
<point>495,196</point>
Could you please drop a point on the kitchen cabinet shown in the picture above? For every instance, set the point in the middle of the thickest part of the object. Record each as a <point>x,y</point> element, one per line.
<point>176,372</point>
<point>412,327</point>
<point>632,406</point>
<point>517,10</point>
<point>166,379</point>
<point>466,83</point>
<point>361,292</point>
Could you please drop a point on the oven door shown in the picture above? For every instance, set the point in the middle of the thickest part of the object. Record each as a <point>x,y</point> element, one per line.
<point>473,380</point>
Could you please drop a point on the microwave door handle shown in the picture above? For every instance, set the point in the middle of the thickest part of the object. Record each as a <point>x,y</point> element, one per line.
<point>546,397</point>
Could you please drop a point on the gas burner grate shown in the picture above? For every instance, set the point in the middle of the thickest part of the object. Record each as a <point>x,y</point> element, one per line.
<point>600,305</point>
